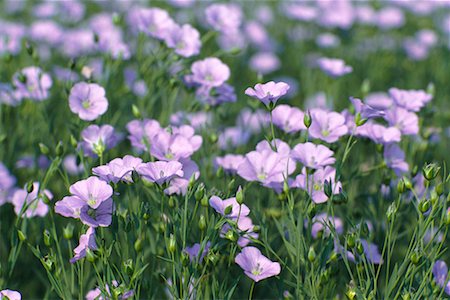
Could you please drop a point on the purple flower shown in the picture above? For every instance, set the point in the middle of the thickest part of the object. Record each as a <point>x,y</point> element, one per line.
<point>216,96</point>
<point>365,110</point>
<point>395,159</point>
<point>10,295</point>
<point>225,18</point>
<point>119,169</point>
<point>184,39</point>
<point>179,144</point>
<point>266,166</point>
<point>314,183</point>
<point>143,132</point>
<point>333,67</point>
<point>97,294</point>
<point>87,241</point>
<point>322,222</point>
<point>7,182</point>
<point>88,101</point>
<point>379,133</point>
<point>390,17</point>
<point>71,166</point>
<point>268,93</point>
<point>254,121</point>
<point>195,254</point>
<point>407,122</point>
<point>327,126</point>
<point>97,140</point>
<point>179,185</point>
<point>313,156</point>
<point>9,96</point>
<point>90,202</point>
<point>154,22</point>
<point>440,273</point>
<point>237,210</point>
<point>264,62</point>
<point>28,205</point>
<point>255,265</point>
<point>160,172</point>
<point>209,72</point>
<point>233,137</point>
<point>198,120</point>
<point>288,118</point>
<point>379,101</point>
<point>32,83</point>
<point>229,162</point>
<point>412,100</point>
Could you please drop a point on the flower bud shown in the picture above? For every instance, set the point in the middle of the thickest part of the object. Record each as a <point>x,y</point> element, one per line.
<point>391,211</point>
<point>359,121</point>
<point>73,141</point>
<point>431,89</point>
<point>68,231</point>
<point>359,248</point>
<point>213,138</point>
<point>136,112</point>
<point>29,47</point>
<point>200,192</point>
<point>447,217</point>
<point>406,296</point>
<point>59,150</point>
<point>90,255</point>
<point>135,176</point>
<point>172,244</point>
<point>424,206</point>
<point>240,195</point>
<point>30,187</point>
<point>21,235</point>
<point>285,187</point>
<point>440,189</point>
<point>204,202</point>
<point>311,254</point>
<point>116,19</point>
<point>231,235</point>
<point>307,119</point>
<point>138,245</point>
<point>415,257</point>
<point>228,210</point>
<point>44,149</point>
<point>365,86</point>
<point>202,223</point>
<point>47,240</point>
<point>431,171</point>
<point>351,240</point>
<point>219,172</point>
<point>408,183</point>
<point>401,186</point>
<point>231,184</point>
<point>213,257</point>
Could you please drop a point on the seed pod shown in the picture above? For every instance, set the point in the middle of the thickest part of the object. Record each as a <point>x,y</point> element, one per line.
<point>47,240</point>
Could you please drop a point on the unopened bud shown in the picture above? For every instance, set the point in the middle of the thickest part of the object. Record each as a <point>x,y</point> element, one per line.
<point>431,171</point>
<point>424,206</point>
<point>311,254</point>
<point>44,149</point>
<point>21,235</point>
<point>200,192</point>
<point>219,172</point>
<point>30,187</point>
<point>171,202</point>
<point>408,183</point>
<point>240,195</point>
<point>136,112</point>
<point>401,186</point>
<point>73,141</point>
<point>128,266</point>
<point>351,241</point>
<point>359,248</point>
<point>172,244</point>
<point>59,150</point>
<point>68,231</point>
<point>213,138</point>
<point>327,188</point>
<point>228,210</point>
<point>440,189</point>
<point>231,235</point>
<point>90,255</point>
<point>138,245</point>
<point>202,223</point>
<point>415,257</point>
<point>307,119</point>
<point>204,202</point>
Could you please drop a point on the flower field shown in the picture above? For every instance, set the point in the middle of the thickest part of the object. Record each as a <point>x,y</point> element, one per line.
<point>189,149</point>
